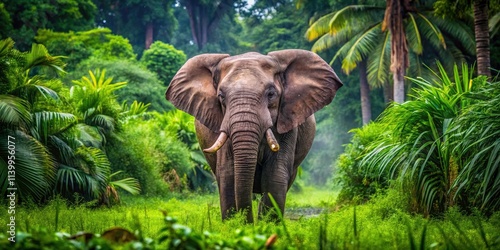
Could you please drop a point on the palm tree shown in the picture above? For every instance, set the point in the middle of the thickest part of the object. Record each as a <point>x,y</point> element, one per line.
<point>96,102</point>
<point>34,172</point>
<point>481,30</point>
<point>53,152</point>
<point>393,21</point>
<point>359,29</point>
<point>482,25</point>
<point>83,165</point>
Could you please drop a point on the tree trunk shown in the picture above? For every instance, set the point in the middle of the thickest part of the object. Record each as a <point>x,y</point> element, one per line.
<point>399,87</point>
<point>393,19</point>
<point>204,18</point>
<point>388,93</point>
<point>482,37</point>
<point>203,29</point>
<point>366,113</point>
<point>192,20</point>
<point>149,35</point>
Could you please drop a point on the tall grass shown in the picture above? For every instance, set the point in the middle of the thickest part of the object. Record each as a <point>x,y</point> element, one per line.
<point>379,224</point>
<point>476,146</point>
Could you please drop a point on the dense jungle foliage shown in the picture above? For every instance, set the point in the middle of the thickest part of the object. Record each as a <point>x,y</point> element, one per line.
<point>83,118</point>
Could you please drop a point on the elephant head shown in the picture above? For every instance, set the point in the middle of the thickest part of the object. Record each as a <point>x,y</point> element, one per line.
<point>249,97</point>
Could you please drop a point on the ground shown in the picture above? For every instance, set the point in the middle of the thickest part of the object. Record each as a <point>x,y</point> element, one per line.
<point>311,222</point>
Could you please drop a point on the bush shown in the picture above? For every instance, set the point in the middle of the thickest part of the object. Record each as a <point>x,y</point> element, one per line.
<point>157,157</point>
<point>164,60</point>
<point>135,152</point>
<point>142,85</point>
<point>442,145</point>
<point>180,125</point>
<point>358,182</point>
<point>476,148</point>
<point>98,43</point>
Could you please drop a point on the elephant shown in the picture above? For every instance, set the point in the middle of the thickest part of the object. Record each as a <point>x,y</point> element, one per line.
<point>254,117</point>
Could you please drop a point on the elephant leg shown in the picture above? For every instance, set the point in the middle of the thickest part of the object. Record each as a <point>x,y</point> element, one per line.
<point>278,174</point>
<point>225,181</point>
<point>277,189</point>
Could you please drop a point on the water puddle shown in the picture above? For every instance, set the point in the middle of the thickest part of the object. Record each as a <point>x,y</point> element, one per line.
<point>296,213</point>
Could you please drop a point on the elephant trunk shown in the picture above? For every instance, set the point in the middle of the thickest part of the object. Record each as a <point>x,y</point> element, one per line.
<point>246,134</point>
<point>245,145</point>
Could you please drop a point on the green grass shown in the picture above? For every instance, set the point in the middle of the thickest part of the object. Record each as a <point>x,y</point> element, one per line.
<point>381,224</point>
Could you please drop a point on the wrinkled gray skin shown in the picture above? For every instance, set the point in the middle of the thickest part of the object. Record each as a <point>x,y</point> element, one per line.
<point>243,96</point>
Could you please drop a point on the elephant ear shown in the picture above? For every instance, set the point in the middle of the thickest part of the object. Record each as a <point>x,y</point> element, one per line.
<point>193,89</point>
<point>309,84</point>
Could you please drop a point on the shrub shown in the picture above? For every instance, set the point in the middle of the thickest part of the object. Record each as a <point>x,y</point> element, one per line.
<point>180,125</point>
<point>164,60</point>
<point>98,43</point>
<point>157,157</point>
<point>420,149</point>
<point>476,148</point>
<point>142,85</point>
<point>358,182</point>
<point>135,152</point>
<point>58,137</point>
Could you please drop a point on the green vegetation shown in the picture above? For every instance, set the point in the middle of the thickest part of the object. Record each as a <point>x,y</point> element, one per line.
<point>431,146</point>
<point>82,88</point>
<point>142,84</point>
<point>164,60</point>
<point>381,223</point>
<point>59,134</point>
<point>97,43</point>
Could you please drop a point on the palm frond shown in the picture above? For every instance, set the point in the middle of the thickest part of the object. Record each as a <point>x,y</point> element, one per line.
<point>430,31</point>
<point>61,150</point>
<point>133,110</point>
<point>47,92</point>
<point>130,185</point>
<point>39,56</point>
<point>48,123</point>
<point>413,35</point>
<point>358,48</point>
<point>320,27</point>
<point>71,180</point>
<point>344,20</point>
<point>31,87</point>
<point>457,32</point>
<point>14,112</point>
<point>328,40</point>
<point>419,146</point>
<point>105,122</point>
<point>99,84</point>
<point>494,24</point>
<point>380,62</point>
<point>6,46</point>
<point>89,176</point>
<point>34,173</point>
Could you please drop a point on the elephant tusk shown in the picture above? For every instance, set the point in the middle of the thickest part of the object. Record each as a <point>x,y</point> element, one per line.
<point>271,140</point>
<point>218,144</point>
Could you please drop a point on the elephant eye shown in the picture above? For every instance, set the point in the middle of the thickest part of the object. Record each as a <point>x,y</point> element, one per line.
<point>271,94</point>
<point>221,96</point>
